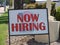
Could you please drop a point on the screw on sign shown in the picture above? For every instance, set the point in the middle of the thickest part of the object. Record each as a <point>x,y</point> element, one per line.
<point>28,26</point>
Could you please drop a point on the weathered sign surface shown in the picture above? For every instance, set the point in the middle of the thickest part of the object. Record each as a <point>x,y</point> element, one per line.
<point>31,21</point>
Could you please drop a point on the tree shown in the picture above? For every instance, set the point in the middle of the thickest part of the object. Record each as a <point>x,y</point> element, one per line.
<point>7,2</point>
<point>1,1</point>
<point>53,10</point>
<point>10,2</point>
<point>18,4</point>
<point>27,1</point>
<point>57,16</point>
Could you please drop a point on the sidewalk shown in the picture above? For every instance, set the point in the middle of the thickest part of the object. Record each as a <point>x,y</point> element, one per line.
<point>55,43</point>
<point>1,9</point>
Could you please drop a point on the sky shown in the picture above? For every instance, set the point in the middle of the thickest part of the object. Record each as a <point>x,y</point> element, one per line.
<point>46,0</point>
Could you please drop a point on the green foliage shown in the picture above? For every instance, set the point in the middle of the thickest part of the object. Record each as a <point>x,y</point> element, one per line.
<point>3,28</point>
<point>18,4</point>
<point>1,1</point>
<point>58,9</point>
<point>44,5</point>
<point>53,10</point>
<point>57,16</point>
<point>10,2</point>
<point>3,33</point>
<point>7,2</point>
<point>27,1</point>
<point>4,18</point>
<point>38,6</point>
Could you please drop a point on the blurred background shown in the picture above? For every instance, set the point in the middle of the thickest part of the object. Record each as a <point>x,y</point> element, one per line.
<point>29,39</point>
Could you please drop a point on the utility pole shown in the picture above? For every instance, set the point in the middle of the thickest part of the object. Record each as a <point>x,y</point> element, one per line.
<point>4,5</point>
<point>49,8</point>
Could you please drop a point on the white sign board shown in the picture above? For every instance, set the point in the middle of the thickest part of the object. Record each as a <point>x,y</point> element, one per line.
<point>31,21</point>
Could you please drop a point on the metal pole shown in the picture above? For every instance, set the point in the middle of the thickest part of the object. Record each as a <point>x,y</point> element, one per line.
<point>49,11</point>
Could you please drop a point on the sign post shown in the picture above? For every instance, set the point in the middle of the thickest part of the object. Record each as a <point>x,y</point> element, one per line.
<point>49,11</point>
<point>28,22</point>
